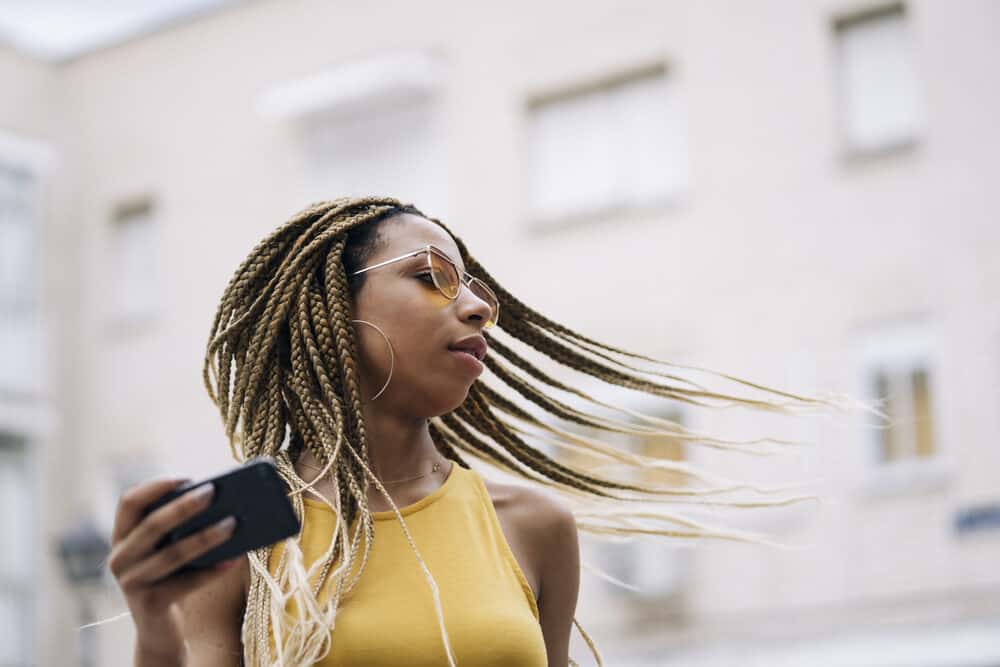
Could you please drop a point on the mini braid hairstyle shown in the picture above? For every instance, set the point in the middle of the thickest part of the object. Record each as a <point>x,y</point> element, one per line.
<point>282,367</point>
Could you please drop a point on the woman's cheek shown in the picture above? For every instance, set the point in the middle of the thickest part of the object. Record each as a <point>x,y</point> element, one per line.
<point>433,299</point>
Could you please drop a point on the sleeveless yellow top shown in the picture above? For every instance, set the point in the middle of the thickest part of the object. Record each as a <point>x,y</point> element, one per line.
<point>389,620</point>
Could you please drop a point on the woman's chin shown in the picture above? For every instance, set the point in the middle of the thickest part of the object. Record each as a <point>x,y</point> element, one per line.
<point>454,402</point>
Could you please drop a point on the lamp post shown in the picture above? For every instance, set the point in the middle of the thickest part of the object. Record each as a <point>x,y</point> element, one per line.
<point>83,551</point>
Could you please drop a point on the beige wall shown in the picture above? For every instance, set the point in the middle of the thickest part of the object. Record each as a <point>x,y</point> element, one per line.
<point>781,250</point>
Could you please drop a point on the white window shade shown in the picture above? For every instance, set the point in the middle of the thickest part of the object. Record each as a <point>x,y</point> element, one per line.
<point>18,242</point>
<point>617,146</point>
<point>878,84</point>
<point>396,151</point>
<point>370,127</point>
<point>134,288</point>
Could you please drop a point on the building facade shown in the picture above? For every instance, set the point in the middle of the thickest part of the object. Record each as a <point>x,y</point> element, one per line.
<point>801,193</point>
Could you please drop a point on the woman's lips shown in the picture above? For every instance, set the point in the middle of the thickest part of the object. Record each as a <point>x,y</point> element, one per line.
<point>468,360</point>
<point>475,344</point>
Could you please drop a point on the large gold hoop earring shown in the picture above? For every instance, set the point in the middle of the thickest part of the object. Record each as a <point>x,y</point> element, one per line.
<point>392,361</point>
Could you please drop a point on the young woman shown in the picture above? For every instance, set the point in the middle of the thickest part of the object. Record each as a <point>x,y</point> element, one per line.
<point>349,347</point>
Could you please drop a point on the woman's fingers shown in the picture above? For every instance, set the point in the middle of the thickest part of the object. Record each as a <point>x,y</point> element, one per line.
<point>135,500</point>
<point>162,563</point>
<point>145,534</point>
<point>144,574</point>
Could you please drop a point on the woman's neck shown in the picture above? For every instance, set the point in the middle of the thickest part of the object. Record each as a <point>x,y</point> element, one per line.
<point>398,446</point>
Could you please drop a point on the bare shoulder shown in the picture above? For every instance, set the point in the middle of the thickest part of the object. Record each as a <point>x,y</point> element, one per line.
<point>523,502</point>
<point>543,535</point>
<point>542,522</point>
<point>212,618</point>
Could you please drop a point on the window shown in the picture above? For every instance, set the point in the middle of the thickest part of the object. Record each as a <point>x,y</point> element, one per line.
<point>371,127</point>
<point>907,401</point>
<point>656,568</point>
<point>19,281</point>
<point>878,101</point>
<point>609,147</point>
<point>134,266</point>
<point>397,151</point>
<point>16,592</point>
<point>18,242</point>
<point>898,372</point>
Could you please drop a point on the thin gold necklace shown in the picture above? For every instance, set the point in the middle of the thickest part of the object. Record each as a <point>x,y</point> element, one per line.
<point>434,468</point>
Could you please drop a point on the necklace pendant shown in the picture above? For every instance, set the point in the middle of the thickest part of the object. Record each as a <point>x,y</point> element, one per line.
<point>436,467</point>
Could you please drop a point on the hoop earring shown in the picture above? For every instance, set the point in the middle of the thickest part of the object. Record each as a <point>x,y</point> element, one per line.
<point>392,361</point>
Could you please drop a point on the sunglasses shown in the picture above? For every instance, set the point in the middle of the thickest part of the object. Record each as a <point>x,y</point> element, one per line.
<point>448,279</point>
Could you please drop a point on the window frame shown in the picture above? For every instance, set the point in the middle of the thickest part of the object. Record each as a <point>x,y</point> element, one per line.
<point>900,347</point>
<point>126,322</point>
<point>388,81</point>
<point>26,416</point>
<point>638,549</point>
<point>651,549</point>
<point>851,151</point>
<point>39,160</point>
<point>426,111</point>
<point>537,224</point>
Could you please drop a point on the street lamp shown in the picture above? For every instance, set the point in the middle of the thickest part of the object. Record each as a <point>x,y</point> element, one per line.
<point>83,551</point>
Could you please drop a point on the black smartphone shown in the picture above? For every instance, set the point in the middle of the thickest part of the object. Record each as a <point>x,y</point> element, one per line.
<point>255,494</point>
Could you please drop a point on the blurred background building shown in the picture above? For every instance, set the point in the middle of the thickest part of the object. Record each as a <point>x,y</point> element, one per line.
<point>801,192</point>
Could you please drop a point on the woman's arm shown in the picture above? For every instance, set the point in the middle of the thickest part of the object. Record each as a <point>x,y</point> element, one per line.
<point>560,580</point>
<point>212,617</point>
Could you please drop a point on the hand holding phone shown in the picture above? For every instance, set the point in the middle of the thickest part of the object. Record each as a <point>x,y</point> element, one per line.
<point>254,495</point>
<point>171,538</point>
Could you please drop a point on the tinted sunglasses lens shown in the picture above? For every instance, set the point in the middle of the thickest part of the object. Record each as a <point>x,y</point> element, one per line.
<point>445,275</point>
<point>483,292</point>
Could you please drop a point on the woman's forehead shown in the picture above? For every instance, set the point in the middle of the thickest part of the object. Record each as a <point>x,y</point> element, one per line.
<point>407,232</point>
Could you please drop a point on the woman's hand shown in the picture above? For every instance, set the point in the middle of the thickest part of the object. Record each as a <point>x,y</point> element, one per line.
<point>144,574</point>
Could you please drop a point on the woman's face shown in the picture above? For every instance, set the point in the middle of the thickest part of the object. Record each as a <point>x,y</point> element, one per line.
<point>428,378</point>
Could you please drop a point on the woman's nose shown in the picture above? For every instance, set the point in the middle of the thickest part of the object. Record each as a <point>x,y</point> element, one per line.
<point>471,307</point>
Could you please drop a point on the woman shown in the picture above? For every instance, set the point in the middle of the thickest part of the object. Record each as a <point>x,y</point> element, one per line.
<point>348,347</point>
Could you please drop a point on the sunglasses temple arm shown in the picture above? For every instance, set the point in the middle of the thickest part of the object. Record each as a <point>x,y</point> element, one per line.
<point>390,261</point>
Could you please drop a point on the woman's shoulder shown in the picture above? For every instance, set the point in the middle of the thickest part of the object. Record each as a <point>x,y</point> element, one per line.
<point>530,510</point>
<point>511,494</point>
<point>540,531</point>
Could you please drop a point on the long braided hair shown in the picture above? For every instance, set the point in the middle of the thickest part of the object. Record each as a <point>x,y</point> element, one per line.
<point>282,367</point>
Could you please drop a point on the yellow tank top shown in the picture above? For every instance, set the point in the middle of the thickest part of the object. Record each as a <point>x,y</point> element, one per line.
<point>389,620</point>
